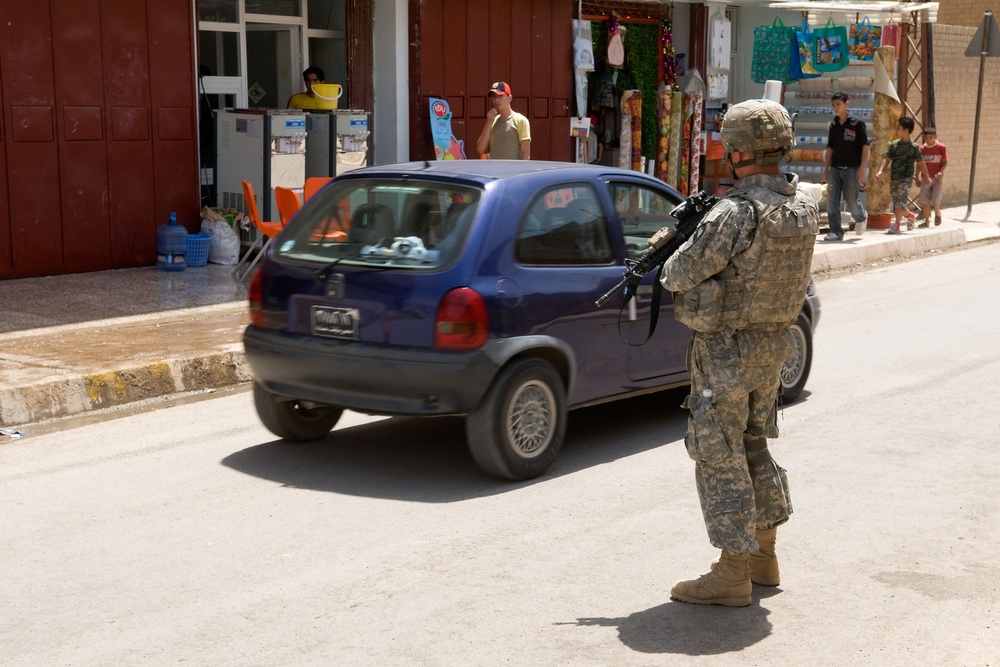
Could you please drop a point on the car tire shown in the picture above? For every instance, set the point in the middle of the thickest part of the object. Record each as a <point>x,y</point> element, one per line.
<point>795,372</point>
<point>294,420</point>
<point>519,429</point>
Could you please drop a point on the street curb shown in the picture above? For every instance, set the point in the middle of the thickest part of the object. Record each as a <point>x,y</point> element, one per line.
<point>68,396</point>
<point>900,247</point>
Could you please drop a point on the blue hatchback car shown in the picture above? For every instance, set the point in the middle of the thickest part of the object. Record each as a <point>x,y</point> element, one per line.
<point>468,288</point>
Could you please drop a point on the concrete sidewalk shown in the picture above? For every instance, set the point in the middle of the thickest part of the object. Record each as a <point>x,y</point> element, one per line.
<point>80,342</point>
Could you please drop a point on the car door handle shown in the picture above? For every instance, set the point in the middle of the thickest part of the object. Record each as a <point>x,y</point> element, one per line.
<point>644,292</point>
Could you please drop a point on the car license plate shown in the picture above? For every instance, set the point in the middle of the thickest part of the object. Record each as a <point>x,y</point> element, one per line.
<point>335,322</point>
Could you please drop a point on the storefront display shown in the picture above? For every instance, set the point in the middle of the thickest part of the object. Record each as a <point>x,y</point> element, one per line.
<point>646,61</point>
<point>810,100</point>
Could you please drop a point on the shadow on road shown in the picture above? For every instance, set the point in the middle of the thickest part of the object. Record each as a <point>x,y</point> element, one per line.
<point>426,460</point>
<point>686,629</point>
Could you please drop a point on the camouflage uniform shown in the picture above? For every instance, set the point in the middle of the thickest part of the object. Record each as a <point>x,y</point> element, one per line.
<point>739,284</point>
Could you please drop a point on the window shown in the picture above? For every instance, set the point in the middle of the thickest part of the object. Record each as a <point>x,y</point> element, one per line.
<point>642,212</point>
<point>565,225</point>
<point>274,7</point>
<point>412,225</point>
<point>219,11</point>
<point>326,15</point>
<point>219,53</point>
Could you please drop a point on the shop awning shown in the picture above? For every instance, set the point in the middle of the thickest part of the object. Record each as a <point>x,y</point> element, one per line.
<point>844,11</point>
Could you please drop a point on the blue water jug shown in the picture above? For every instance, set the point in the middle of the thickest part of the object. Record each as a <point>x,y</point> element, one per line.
<point>171,244</point>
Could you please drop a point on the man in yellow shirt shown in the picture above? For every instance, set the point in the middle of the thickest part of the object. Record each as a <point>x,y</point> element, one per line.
<point>308,99</point>
<point>506,134</point>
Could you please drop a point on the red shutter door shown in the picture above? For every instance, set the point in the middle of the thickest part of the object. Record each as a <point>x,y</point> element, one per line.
<point>32,153</point>
<point>460,47</point>
<point>80,118</point>
<point>97,132</point>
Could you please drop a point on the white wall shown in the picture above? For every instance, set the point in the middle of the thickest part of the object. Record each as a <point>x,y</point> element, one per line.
<point>752,13</point>
<point>753,16</point>
<point>391,81</point>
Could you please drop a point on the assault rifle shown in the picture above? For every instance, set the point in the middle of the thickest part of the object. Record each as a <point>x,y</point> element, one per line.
<point>662,245</point>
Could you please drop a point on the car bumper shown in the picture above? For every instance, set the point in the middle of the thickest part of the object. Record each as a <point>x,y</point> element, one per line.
<point>374,379</point>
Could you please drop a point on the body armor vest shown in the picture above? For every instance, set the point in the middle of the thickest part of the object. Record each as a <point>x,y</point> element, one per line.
<point>763,286</point>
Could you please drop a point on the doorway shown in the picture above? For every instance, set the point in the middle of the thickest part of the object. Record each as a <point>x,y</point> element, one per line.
<point>274,59</point>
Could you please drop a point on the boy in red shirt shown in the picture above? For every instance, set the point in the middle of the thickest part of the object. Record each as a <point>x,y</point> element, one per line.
<point>936,159</point>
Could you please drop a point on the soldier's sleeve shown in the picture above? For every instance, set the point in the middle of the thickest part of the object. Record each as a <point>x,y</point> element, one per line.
<point>707,252</point>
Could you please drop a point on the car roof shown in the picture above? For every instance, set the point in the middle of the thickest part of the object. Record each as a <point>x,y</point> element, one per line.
<point>484,171</point>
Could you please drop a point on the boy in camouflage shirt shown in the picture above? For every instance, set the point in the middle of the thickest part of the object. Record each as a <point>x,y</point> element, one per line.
<point>904,154</point>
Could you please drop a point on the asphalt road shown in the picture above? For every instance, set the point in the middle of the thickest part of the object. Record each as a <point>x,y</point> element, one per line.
<point>188,535</point>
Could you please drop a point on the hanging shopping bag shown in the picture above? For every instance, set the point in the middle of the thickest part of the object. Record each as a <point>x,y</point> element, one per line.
<point>802,54</point>
<point>891,35</point>
<point>864,39</point>
<point>772,52</point>
<point>830,47</point>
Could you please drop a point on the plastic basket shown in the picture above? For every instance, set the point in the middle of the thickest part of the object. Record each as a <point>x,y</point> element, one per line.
<point>197,249</point>
<point>327,95</point>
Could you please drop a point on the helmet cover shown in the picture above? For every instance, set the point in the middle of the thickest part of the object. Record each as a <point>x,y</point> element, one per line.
<point>761,127</point>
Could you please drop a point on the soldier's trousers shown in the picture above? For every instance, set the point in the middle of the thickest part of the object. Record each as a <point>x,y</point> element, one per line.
<point>740,487</point>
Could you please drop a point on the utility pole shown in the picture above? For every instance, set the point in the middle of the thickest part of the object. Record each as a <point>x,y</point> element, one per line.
<point>988,37</point>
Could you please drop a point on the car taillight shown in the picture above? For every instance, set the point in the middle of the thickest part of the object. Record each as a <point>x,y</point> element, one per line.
<point>256,296</point>
<point>461,322</point>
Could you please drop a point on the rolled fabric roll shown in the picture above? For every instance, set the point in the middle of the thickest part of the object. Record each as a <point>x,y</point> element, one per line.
<point>885,114</point>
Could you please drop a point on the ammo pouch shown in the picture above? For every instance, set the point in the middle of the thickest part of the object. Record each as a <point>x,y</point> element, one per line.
<point>701,307</point>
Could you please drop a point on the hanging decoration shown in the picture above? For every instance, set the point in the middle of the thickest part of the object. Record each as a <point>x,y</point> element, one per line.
<point>616,49</point>
<point>668,54</point>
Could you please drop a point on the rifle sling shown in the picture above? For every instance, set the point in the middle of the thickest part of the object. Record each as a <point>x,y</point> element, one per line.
<point>654,313</point>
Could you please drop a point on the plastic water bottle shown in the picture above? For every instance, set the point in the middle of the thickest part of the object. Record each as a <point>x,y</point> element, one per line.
<point>171,245</point>
<point>705,400</point>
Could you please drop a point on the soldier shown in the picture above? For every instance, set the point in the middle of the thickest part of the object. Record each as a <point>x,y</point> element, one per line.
<point>738,283</point>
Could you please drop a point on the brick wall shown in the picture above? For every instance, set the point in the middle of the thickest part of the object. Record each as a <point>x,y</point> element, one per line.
<point>968,13</point>
<point>956,85</point>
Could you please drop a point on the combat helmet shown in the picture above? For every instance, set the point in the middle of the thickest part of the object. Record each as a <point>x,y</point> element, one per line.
<point>761,127</point>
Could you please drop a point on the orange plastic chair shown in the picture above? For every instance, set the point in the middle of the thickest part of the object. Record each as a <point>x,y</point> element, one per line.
<point>313,185</point>
<point>265,228</point>
<point>288,203</point>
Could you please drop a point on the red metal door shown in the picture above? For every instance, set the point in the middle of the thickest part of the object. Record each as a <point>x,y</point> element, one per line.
<point>32,159</point>
<point>459,47</point>
<point>98,96</point>
<point>82,189</point>
<point>6,262</point>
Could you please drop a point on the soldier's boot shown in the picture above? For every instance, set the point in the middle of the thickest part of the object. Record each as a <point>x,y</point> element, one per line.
<point>764,562</point>
<point>727,584</point>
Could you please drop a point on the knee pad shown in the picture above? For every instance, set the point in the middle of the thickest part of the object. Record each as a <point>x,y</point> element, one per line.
<point>757,452</point>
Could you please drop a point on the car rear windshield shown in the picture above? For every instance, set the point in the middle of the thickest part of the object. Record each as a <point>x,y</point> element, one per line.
<point>388,222</point>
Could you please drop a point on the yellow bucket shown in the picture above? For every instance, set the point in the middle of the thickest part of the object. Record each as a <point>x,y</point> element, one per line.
<point>327,95</point>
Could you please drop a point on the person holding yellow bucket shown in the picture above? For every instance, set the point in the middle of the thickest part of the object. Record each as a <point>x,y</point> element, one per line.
<point>318,95</point>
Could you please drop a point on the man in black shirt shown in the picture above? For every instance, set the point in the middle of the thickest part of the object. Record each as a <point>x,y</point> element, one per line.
<point>845,168</point>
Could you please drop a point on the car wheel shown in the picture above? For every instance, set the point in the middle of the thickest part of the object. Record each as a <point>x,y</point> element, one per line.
<point>518,430</point>
<point>294,420</point>
<point>795,372</point>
